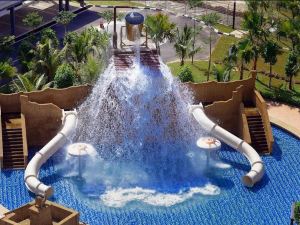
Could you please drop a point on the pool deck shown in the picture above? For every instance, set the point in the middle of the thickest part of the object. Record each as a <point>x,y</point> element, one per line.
<point>3,210</point>
<point>287,117</point>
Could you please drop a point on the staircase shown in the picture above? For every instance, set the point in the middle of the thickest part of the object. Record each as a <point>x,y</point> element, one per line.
<point>124,60</point>
<point>257,133</point>
<point>14,142</point>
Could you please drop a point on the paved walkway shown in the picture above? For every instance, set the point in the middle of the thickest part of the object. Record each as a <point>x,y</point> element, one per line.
<point>286,116</point>
<point>181,8</point>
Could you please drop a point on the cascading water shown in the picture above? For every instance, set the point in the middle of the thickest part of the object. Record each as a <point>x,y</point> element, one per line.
<point>138,121</point>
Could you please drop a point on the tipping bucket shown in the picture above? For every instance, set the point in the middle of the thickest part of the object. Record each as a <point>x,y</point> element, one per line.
<point>134,19</point>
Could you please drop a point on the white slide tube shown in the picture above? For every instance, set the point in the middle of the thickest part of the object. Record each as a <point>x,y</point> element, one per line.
<point>32,181</point>
<point>257,166</point>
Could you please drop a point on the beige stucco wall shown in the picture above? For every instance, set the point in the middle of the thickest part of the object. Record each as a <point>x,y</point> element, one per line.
<point>42,121</point>
<point>66,98</point>
<point>221,91</point>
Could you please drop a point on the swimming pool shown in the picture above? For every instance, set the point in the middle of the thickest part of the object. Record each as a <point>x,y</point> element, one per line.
<point>268,202</point>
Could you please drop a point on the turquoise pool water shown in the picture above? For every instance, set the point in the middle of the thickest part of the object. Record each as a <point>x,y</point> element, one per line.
<point>268,202</point>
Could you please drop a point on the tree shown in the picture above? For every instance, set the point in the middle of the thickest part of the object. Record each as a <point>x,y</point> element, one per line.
<point>48,58</point>
<point>185,75</point>
<point>291,67</point>
<point>193,4</point>
<point>184,43</point>
<point>108,16</point>
<point>270,51</point>
<point>230,61</point>
<point>257,33</point>
<point>159,28</point>
<point>64,18</point>
<point>64,76</point>
<point>245,54</point>
<point>33,20</point>
<point>210,20</point>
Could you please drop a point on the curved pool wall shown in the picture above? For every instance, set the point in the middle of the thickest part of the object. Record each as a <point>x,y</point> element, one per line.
<point>267,203</point>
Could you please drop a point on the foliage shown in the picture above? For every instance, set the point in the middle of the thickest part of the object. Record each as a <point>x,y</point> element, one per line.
<point>6,43</point>
<point>33,20</point>
<point>26,55</point>
<point>291,67</point>
<point>159,28</point>
<point>47,34</point>
<point>120,16</point>
<point>195,3</point>
<point>64,18</point>
<point>230,62</point>
<point>64,76</point>
<point>245,53</point>
<point>218,73</point>
<point>210,20</point>
<point>185,75</point>
<point>7,70</point>
<point>297,212</point>
<point>90,70</point>
<point>70,37</point>
<point>108,16</point>
<point>48,58</point>
<point>269,53</point>
<point>184,43</point>
<point>28,82</point>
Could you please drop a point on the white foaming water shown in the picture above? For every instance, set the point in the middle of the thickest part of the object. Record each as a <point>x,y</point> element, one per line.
<point>138,121</point>
<point>120,197</point>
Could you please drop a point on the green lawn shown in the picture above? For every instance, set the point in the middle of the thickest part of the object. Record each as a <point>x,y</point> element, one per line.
<point>223,28</point>
<point>221,48</point>
<point>115,3</point>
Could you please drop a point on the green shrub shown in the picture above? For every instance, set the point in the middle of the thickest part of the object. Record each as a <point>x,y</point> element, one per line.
<point>64,76</point>
<point>185,75</point>
<point>297,212</point>
<point>70,37</point>
<point>49,33</point>
<point>26,55</point>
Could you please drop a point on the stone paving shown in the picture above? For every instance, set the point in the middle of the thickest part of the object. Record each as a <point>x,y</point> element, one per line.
<point>180,8</point>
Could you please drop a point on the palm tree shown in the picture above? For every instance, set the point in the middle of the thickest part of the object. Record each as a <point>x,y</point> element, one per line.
<point>184,43</point>
<point>193,5</point>
<point>159,28</point>
<point>25,83</point>
<point>210,20</point>
<point>230,61</point>
<point>292,67</point>
<point>270,51</point>
<point>257,33</point>
<point>245,54</point>
<point>49,58</point>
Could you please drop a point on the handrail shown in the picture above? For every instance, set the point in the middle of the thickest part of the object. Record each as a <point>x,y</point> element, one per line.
<point>24,137</point>
<point>1,141</point>
<point>257,166</point>
<point>261,106</point>
<point>32,170</point>
<point>244,128</point>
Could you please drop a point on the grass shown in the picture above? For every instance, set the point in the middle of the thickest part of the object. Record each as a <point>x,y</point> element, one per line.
<point>221,48</point>
<point>223,28</point>
<point>116,3</point>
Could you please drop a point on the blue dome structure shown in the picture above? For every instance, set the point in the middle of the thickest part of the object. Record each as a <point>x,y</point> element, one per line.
<point>134,18</point>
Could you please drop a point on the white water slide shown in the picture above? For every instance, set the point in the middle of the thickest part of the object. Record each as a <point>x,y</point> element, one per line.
<point>32,181</point>
<point>257,166</point>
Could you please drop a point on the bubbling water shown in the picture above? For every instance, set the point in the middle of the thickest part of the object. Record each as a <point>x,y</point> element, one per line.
<point>138,121</point>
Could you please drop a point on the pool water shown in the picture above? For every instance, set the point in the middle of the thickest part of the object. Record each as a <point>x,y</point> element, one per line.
<point>269,202</point>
